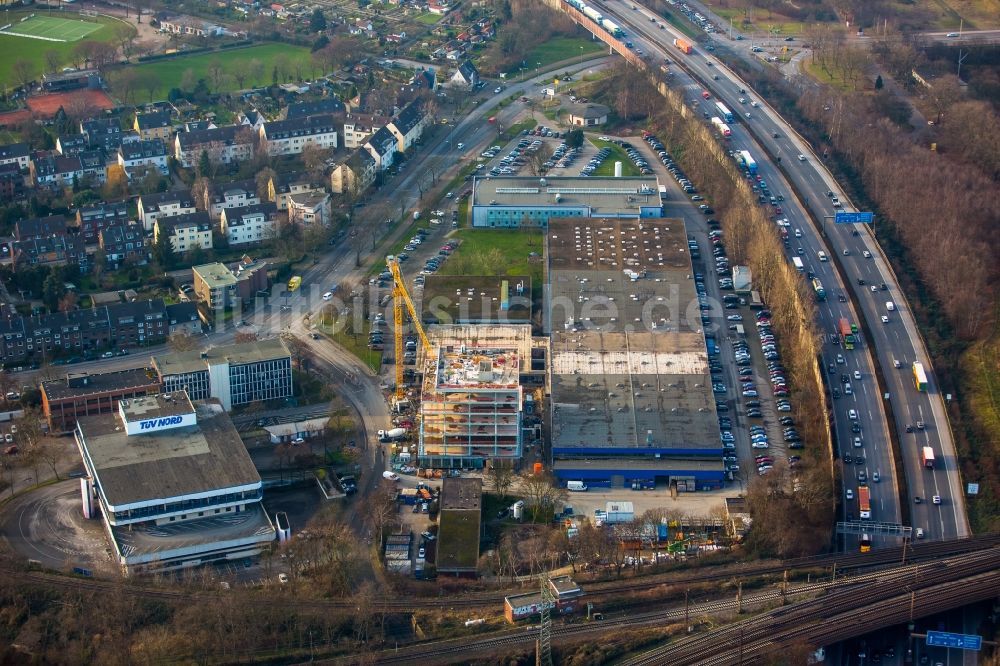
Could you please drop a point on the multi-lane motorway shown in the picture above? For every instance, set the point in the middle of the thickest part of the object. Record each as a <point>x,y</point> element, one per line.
<point>898,340</point>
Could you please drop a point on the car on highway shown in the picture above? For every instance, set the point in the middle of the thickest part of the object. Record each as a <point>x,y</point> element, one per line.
<point>852,414</point>
<point>936,499</point>
<point>850,494</point>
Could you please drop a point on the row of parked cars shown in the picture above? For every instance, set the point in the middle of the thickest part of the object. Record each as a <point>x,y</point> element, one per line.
<point>596,161</point>
<point>562,157</point>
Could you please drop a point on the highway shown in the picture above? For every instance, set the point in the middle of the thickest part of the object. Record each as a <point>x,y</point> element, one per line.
<point>898,339</point>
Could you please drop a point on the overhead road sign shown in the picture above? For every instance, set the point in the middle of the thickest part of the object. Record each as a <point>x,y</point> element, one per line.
<point>842,217</point>
<point>950,640</point>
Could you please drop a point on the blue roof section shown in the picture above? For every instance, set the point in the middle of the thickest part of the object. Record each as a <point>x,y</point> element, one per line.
<point>603,474</point>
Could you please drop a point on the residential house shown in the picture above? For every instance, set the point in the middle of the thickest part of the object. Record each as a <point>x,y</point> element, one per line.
<point>149,153</point>
<point>226,144</point>
<point>466,75</point>
<point>71,144</point>
<point>40,227</point>
<point>218,287</point>
<point>55,249</point>
<point>90,220</point>
<point>94,165</point>
<point>355,174</point>
<point>56,170</point>
<point>199,125</point>
<point>309,208</point>
<point>230,195</point>
<point>251,224</point>
<point>325,106</point>
<point>440,8</point>
<point>359,126</point>
<point>362,28</point>
<point>289,137</point>
<point>122,243</point>
<point>16,153</point>
<point>11,182</point>
<point>164,204</point>
<point>252,118</point>
<point>154,125</point>
<point>119,326</point>
<point>409,125</point>
<point>183,318</point>
<point>382,147</point>
<point>284,185</point>
<point>106,134</point>
<point>186,232</point>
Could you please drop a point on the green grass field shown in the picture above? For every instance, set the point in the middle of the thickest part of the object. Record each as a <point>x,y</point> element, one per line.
<point>171,72</point>
<point>428,18</point>
<point>13,48</point>
<point>607,167</point>
<point>497,252</point>
<point>561,48</point>
<point>54,28</point>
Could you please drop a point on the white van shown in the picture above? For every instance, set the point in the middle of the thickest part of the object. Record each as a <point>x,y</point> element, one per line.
<point>390,476</point>
<point>890,306</point>
<point>576,486</point>
<point>822,256</point>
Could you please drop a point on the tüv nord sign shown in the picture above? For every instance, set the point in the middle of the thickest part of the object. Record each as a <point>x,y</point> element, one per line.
<point>155,424</point>
<point>146,426</point>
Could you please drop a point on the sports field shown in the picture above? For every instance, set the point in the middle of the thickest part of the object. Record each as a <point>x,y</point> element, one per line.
<point>52,28</point>
<point>290,61</point>
<point>33,50</point>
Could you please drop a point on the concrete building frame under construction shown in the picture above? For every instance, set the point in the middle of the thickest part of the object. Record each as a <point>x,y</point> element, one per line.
<point>470,407</point>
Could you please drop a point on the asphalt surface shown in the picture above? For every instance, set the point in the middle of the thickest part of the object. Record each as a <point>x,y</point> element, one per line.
<point>899,339</point>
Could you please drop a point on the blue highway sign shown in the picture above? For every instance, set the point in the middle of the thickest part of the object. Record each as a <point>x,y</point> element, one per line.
<point>842,217</point>
<point>950,640</point>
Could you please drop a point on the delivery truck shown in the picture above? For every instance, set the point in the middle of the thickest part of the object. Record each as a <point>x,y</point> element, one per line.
<point>576,486</point>
<point>683,45</point>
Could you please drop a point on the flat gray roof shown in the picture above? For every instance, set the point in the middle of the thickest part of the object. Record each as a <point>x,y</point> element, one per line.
<point>602,194</point>
<point>99,382</point>
<point>204,458</point>
<point>629,367</point>
<point>461,494</point>
<point>449,299</point>
<point>236,354</point>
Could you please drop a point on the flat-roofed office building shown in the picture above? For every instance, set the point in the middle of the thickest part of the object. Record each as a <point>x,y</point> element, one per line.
<point>173,483</point>
<point>234,375</point>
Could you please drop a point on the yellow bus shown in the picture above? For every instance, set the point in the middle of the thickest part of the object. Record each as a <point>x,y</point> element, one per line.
<point>294,283</point>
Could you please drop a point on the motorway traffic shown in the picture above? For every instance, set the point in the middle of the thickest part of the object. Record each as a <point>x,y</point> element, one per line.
<point>765,134</point>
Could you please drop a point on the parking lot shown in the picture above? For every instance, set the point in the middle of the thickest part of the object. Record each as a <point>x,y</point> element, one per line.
<point>752,390</point>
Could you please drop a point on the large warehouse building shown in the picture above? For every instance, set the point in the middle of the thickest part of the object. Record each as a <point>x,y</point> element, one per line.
<point>519,201</point>
<point>631,396</point>
<point>173,483</point>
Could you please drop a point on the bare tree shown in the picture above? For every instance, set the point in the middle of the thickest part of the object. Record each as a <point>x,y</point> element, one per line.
<point>380,509</point>
<point>537,159</point>
<point>500,476</point>
<point>53,60</point>
<point>216,74</point>
<point>23,71</point>
<point>541,494</point>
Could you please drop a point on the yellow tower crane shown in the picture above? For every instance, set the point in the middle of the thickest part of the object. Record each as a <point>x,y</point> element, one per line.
<point>400,299</point>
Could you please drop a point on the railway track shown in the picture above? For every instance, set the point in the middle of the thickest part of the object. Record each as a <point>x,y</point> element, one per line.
<point>882,594</point>
<point>842,563</point>
<point>832,600</point>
